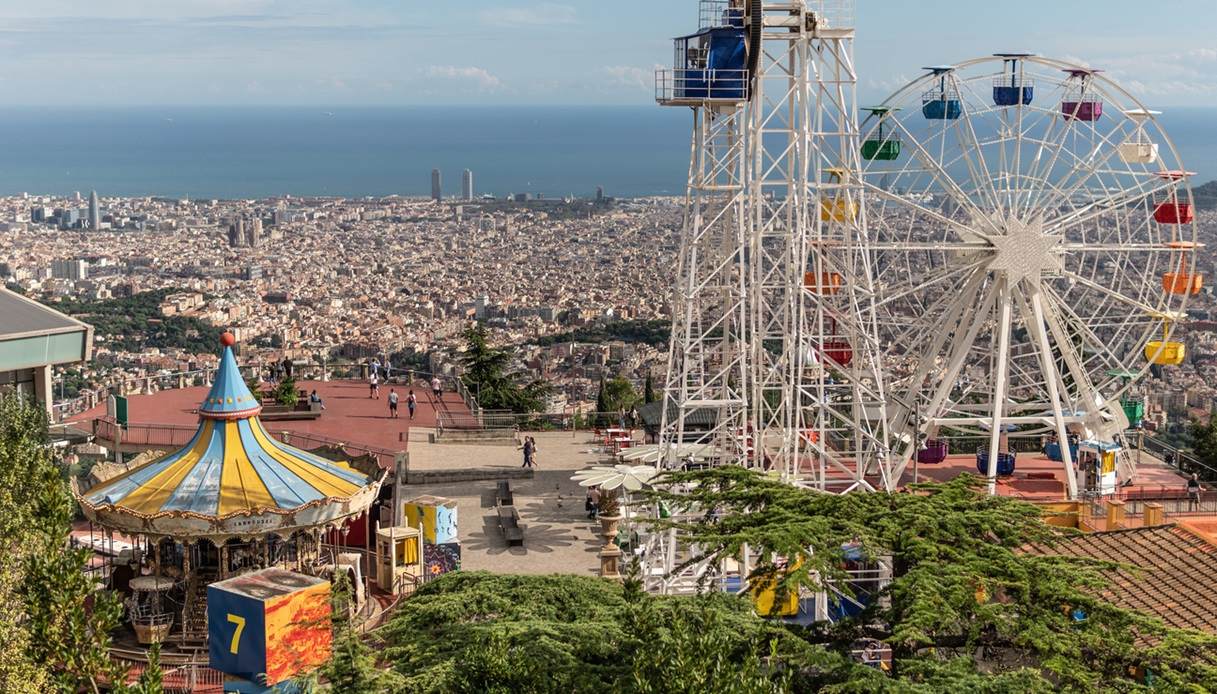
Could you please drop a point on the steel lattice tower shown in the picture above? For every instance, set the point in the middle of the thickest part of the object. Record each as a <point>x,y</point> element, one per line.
<point>774,335</point>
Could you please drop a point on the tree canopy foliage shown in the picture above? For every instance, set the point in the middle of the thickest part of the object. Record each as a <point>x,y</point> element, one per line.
<point>55,625</point>
<point>649,332</point>
<point>485,374</point>
<point>135,323</point>
<point>478,632</point>
<point>966,610</point>
<point>964,600</point>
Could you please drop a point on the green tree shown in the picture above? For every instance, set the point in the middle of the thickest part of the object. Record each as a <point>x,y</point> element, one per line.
<point>351,668</point>
<point>1204,443</point>
<point>286,394</point>
<point>482,632</point>
<point>485,374</point>
<point>57,625</point>
<point>963,599</point>
<point>151,679</point>
<point>648,390</point>
<point>619,395</point>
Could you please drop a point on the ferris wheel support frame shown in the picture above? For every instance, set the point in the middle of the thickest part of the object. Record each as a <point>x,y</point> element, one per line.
<point>819,422</point>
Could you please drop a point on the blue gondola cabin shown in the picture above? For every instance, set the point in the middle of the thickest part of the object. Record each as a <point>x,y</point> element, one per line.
<point>712,64</point>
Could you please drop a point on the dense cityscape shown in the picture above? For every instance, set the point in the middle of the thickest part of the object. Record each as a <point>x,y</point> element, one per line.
<point>341,282</point>
<point>909,398</point>
<point>324,280</point>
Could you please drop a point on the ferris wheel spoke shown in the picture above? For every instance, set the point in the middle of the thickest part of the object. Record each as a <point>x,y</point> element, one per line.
<point>978,170</point>
<point>1039,177</point>
<point>1103,206</point>
<point>942,274</point>
<point>940,175</point>
<point>1056,309</point>
<point>1039,330</point>
<point>963,229</point>
<point>1084,168</point>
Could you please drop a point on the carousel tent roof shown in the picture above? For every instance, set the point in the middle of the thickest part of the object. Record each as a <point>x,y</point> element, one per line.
<point>231,467</point>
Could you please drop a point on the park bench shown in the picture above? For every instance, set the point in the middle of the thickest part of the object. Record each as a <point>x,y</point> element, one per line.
<point>509,523</point>
<point>509,518</point>
<point>502,494</point>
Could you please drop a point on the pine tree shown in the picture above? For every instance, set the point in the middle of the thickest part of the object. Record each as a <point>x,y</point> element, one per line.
<point>960,587</point>
<point>352,667</point>
<point>648,390</point>
<point>486,376</point>
<point>65,623</point>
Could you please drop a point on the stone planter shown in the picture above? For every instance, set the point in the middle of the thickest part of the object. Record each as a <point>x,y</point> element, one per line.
<point>608,527</point>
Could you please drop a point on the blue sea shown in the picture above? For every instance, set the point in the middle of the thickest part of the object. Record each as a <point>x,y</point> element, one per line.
<point>256,152</point>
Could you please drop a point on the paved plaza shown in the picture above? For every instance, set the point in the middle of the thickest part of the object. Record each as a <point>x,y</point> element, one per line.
<point>558,537</point>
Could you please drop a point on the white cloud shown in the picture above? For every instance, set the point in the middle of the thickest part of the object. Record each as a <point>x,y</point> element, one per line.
<point>540,14</point>
<point>475,75</point>
<point>630,76</point>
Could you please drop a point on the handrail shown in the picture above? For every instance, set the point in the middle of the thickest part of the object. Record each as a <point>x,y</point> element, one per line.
<point>106,429</point>
<point>1175,458</point>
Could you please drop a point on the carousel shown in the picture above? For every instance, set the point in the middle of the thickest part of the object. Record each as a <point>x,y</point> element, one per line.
<point>232,500</point>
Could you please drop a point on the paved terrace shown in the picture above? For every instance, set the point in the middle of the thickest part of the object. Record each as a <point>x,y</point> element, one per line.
<point>350,415</point>
<point>558,537</point>
<point>1036,478</point>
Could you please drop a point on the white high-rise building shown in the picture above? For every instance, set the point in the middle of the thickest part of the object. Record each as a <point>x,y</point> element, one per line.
<point>467,185</point>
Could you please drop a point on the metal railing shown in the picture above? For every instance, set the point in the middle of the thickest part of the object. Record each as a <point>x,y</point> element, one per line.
<point>534,421</point>
<point>155,383</point>
<point>1178,459</point>
<point>181,672</point>
<point>719,13</point>
<point>178,435</point>
<point>691,85</point>
<point>832,14</point>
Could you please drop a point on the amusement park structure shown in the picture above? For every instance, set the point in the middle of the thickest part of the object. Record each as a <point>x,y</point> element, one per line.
<point>774,337</point>
<point>1033,242</point>
<point>997,256</point>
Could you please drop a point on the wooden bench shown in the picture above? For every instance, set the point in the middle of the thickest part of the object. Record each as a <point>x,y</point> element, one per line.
<point>503,495</point>
<point>509,523</point>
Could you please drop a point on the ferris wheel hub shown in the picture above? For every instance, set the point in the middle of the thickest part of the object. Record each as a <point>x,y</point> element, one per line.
<point>1025,251</point>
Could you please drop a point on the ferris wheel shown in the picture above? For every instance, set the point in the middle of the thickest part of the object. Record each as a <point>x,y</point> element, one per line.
<point>1033,242</point>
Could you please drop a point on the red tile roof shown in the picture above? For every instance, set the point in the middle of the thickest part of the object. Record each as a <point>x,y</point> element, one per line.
<point>1176,571</point>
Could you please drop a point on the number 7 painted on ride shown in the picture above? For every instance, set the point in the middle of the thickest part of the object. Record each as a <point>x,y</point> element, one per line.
<point>236,633</point>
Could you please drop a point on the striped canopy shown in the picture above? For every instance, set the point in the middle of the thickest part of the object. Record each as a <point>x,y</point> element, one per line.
<point>232,478</point>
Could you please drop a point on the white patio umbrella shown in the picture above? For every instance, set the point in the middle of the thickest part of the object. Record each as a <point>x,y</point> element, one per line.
<point>629,477</point>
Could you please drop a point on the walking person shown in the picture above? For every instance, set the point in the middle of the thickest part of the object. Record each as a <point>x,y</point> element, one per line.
<point>437,388</point>
<point>592,503</point>
<point>527,447</point>
<point>1193,492</point>
<point>411,403</point>
<point>393,403</point>
<point>374,386</point>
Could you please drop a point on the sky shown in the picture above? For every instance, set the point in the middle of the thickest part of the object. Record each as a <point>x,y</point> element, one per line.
<point>511,52</point>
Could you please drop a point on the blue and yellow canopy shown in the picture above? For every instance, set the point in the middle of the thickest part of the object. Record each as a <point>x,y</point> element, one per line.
<point>232,467</point>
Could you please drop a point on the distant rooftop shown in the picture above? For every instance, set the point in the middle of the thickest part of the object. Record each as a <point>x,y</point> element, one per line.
<point>22,317</point>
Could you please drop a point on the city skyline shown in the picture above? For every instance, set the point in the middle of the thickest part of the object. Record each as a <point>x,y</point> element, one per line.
<point>259,52</point>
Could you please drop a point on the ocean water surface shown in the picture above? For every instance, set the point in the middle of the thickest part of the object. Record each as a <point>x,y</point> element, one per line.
<point>256,152</point>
